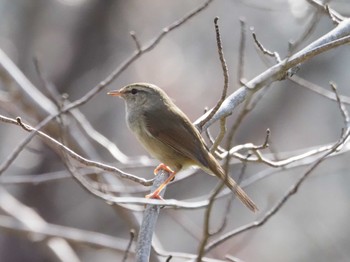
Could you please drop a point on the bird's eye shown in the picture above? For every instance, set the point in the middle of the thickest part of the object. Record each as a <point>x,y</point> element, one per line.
<point>134,91</point>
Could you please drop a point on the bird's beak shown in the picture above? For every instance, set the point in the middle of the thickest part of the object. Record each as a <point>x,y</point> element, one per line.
<point>115,93</point>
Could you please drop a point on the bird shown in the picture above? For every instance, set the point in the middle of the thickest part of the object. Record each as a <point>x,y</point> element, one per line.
<point>169,136</point>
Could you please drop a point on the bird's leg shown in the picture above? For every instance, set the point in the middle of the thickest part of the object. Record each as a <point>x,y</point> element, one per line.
<point>163,167</point>
<point>155,194</point>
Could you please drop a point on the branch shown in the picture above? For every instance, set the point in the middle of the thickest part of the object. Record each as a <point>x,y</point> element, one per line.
<point>335,38</point>
<point>150,217</point>
<point>72,154</point>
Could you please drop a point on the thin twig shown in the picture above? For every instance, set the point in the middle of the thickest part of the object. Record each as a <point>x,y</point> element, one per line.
<point>311,26</point>
<point>136,41</point>
<point>127,250</point>
<point>342,107</point>
<point>51,93</point>
<point>318,89</point>
<point>335,16</point>
<point>206,228</point>
<point>242,44</point>
<point>220,136</point>
<point>264,50</point>
<point>225,72</point>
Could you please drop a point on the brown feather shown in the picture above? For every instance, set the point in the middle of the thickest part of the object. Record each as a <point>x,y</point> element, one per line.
<point>176,131</point>
<point>215,167</point>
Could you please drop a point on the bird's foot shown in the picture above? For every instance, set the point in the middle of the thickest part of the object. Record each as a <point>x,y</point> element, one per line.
<point>154,195</point>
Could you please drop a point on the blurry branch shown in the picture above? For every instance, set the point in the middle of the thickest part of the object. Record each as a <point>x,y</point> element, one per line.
<point>84,125</point>
<point>345,134</point>
<point>318,90</point>
<point>52,93</point>
<point>46,231</point>
<point>10,72</point>
<point>335,16</point>
<point>311,26</point>
<point>233,259</point>
<point>132,236</point>
<point>59,175</point>
<point>242,44</point>
<point>25,217</point>
<point>337,37</point>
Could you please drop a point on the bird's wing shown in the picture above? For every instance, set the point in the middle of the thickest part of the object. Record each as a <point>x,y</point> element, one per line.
<point>175,130</point>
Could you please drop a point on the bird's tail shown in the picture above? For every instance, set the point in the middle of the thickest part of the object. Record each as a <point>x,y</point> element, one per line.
<point>231,184</point>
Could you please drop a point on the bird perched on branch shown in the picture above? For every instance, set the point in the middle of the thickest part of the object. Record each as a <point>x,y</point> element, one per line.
<point>168,135</point>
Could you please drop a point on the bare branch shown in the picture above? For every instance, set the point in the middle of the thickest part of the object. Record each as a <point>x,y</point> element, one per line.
<point>264,50</point>
<point>144,240</point>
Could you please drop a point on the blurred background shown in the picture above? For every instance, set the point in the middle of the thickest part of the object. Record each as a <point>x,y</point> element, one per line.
<point>78,43</point>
